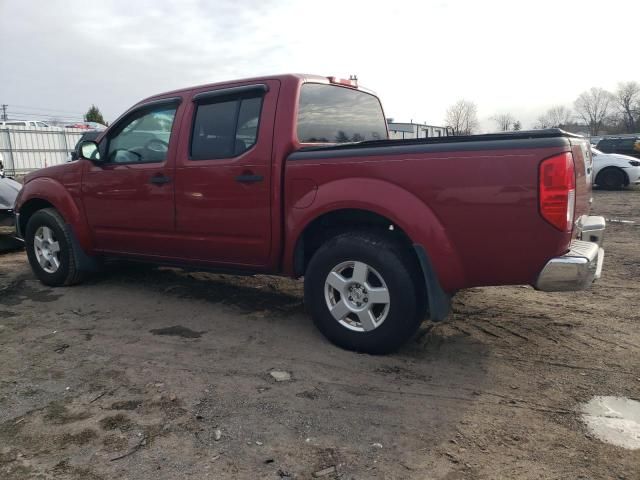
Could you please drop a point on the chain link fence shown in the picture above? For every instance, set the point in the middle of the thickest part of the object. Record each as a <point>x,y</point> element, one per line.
<point>23,149</point>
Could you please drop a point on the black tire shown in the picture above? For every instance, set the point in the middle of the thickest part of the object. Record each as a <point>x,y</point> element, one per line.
<point>68,272</point>
<point>611,179</point>
<point>395,263</point>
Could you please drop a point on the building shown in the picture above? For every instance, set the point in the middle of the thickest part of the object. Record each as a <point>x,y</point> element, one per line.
<point>405,131</point>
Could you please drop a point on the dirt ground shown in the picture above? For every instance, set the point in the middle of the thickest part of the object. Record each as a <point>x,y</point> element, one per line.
<point>147,373</point>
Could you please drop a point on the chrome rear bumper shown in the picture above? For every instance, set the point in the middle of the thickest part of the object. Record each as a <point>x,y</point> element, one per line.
<point>581,265</point>
<point>591,229</point>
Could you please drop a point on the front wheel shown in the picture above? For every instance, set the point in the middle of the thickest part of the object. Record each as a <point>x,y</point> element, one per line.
<point>50,249</point>
<point>364,292</point>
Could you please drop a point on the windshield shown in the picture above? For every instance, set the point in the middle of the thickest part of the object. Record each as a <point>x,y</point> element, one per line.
<point>332,114</point>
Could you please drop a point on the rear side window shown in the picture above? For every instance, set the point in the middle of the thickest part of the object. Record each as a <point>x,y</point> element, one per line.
<point>605,145</point>
<point>225,128</point>
<point>333,114</point>
<point>626,144</point>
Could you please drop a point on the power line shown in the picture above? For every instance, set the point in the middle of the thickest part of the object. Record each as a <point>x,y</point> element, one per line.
<point>48,115</point>
<point>44,109</point>
<point>23,119</point>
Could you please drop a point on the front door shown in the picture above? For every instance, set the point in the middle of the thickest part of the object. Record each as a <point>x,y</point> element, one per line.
<point>223,176</point>
<point>129,195</point>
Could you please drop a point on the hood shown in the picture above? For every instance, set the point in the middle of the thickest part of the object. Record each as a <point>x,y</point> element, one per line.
<point>8,193</point>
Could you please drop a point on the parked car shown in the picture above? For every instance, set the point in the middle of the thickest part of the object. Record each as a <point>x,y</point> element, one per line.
<point>86,126</point>
<point>623,145</point>
<point>87,136</point>
<point>613,171</point>
<point>265,176</point>
<point>9,189</point>
<point>24,123</point>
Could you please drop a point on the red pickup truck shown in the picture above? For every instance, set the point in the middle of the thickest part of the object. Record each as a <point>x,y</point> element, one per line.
<point>295,175</point>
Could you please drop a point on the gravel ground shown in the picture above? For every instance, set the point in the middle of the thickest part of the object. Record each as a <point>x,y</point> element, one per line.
<point>157,373</point>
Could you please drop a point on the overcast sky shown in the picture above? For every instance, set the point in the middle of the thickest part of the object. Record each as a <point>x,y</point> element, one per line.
<point>419,56</point>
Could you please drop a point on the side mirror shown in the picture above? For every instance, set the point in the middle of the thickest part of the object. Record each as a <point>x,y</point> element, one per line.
<point>89,151</point>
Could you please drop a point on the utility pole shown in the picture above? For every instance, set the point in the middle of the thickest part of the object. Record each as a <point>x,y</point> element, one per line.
<point>4,111</point>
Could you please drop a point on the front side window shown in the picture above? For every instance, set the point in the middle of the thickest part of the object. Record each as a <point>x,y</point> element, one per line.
<point>144,138</point>
<point>225,128</point>
<point>333,114</point>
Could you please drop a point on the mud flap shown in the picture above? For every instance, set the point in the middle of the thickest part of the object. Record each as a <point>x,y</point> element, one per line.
<point>83,261</point>
<point>439,300</point>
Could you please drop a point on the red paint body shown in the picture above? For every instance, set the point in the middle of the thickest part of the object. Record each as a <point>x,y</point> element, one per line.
<point>474,212</point>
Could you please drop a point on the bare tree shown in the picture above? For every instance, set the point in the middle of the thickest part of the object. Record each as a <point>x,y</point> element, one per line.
<point>462,117</point>
<point>543,121</point>
<point>628,101</point>
<point>559,116</point>
<point>594,106</point>
<point>556,117</point>
<point>504,121</point>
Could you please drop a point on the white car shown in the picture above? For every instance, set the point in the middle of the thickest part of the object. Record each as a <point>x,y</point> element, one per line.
<point>23,123</point>
<point>613,171</point>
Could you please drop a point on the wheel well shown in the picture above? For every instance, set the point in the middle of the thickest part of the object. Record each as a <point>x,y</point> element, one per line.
<point>28,209</point>
<point>608,169</point>
<point>338,221</point>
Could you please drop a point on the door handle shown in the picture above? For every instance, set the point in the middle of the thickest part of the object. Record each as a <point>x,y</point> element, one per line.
<point>249,178</point>
<point>159,179</point>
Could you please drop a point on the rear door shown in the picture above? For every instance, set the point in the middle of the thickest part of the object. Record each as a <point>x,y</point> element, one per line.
<point>223,175</point>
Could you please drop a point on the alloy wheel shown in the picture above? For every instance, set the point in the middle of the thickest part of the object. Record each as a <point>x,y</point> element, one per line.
<point>357,296</point>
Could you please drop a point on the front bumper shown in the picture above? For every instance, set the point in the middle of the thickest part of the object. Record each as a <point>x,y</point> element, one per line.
<point>581,265</point>
<point>633,174</point>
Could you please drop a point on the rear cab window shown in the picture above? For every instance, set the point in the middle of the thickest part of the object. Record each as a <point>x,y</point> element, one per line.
<point>335,114</point>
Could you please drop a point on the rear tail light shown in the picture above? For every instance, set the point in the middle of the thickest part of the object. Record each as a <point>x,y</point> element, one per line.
<point>557,191</point>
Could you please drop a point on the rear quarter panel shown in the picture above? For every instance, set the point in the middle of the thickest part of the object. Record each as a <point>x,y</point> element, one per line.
<point>475,212</point>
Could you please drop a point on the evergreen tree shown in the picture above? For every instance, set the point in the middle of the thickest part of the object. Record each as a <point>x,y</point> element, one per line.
<point>94,115</point>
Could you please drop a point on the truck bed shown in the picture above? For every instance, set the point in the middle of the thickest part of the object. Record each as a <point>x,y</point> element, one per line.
<point>474,196</point>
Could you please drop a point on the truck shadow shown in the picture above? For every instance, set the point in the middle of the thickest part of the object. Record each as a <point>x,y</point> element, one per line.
<point>247,293</point>
<point>275,297</point>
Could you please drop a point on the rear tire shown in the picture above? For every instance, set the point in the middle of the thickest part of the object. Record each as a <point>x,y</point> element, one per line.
<point>611,179</point>
<point>357,314</point>
<point>50,249</point>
